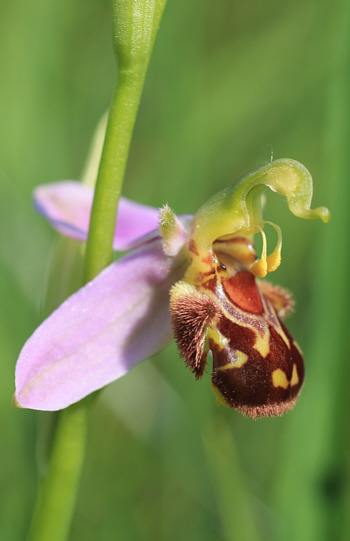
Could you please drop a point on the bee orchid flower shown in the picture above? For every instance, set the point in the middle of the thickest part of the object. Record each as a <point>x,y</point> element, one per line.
<point>195,278</point>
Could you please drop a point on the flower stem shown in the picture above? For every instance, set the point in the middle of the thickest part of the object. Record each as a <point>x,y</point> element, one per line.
<point>135,26</point>
<point>120,125</point>
<point>133,62</point>
<point>58,490</point>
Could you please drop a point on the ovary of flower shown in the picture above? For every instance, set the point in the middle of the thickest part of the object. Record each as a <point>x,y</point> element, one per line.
<point>203,268</point>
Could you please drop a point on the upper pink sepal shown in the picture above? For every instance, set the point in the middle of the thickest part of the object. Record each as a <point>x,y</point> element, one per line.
<point>67,206</point>
<point>99,333</point>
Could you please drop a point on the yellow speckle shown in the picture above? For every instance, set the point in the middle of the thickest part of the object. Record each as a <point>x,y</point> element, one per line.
<point>283,335</point>
<point>215,335</point>
<point>279,379</point>
<point>241,359</point>
<point>262,344</point>
<point>225,367</point>
<point>295,377</point>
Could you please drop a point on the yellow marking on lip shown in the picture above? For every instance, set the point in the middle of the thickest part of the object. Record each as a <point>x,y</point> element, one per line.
<point>279,379</point>
<point>241,359</point>
<point>262,344</point>
<point>217,337</point>
<point>283,335</point>
<point>262,333</point>
<point>268,308</point>
<point>295,377</point>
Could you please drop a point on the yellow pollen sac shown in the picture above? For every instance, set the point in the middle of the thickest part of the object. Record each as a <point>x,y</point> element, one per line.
<point>295,377</point>
<point>279,379</point>
<point>268,263</point>
<point>259,268</point>
<point>274,259</point>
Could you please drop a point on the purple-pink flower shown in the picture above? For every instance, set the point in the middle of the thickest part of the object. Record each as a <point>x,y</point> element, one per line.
<point>114,322</point>
<point>191,277</point>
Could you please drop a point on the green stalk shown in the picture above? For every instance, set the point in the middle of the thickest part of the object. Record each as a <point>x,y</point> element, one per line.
<point>135,26</point>
<point>58,490</point>
<point>120,125</point>
<point>234,503</point>
<point>134,38</point>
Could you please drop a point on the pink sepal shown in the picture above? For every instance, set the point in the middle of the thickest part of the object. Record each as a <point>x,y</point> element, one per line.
<point>99,333</point>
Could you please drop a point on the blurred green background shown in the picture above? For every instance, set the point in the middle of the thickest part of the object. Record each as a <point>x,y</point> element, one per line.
<point>228,81</point>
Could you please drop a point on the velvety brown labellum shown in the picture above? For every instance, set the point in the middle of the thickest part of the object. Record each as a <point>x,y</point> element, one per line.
<point>257,367</point>
<point>261,371</point>
<point>261,385</point>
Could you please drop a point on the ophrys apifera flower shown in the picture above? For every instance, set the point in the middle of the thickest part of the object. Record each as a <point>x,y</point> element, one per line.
<point>194,277</point>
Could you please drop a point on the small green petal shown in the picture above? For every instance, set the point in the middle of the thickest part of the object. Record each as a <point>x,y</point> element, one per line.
<point>237,210</point>
<point>238,207</point>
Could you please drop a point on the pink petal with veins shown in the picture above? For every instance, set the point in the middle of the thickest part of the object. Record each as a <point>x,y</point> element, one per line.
<point>101,332</point>
<point>67,206</point>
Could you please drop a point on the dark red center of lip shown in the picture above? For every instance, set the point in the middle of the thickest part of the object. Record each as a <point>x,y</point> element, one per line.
<point>243,291</point>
